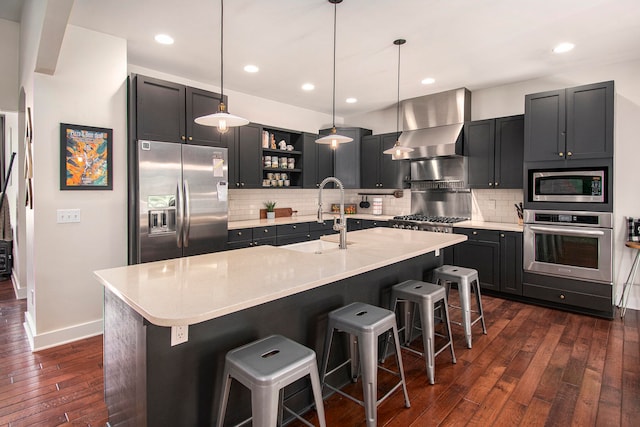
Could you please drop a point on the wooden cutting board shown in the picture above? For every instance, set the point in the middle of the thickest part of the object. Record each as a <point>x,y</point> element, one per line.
<point>280,212</point>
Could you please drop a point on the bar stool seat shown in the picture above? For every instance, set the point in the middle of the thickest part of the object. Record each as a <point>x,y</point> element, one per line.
<point>428,297</point>
<point>365,324</point>
<point>626,288</point>
<point>467,280</point>
<point>265,367</point>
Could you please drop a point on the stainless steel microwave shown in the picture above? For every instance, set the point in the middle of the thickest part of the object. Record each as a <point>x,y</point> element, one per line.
<point>578,186</point>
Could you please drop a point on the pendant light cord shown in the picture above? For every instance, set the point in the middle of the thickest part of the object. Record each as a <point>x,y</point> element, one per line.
<point>398,102</point>
<point>221,50</point>
<point>335,13</point>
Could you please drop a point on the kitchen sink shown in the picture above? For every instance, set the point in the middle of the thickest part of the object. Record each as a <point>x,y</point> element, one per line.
<point>314,247</point>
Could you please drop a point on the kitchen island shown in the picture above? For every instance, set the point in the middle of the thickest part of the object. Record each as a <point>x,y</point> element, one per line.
<point>230,298</point>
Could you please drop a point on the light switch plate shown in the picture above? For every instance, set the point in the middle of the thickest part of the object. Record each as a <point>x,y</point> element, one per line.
<point>68,215</point>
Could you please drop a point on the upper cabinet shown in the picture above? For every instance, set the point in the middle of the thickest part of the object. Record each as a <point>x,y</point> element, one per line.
<point>346,157</point>
<point>378,170</point>
<point>566,124</point>
<point>494,149</point>
<point>165,111</point>
<point>244,156</point>
<point>317,162</point>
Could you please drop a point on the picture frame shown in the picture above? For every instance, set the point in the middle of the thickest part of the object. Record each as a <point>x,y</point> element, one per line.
<point>86,157</point>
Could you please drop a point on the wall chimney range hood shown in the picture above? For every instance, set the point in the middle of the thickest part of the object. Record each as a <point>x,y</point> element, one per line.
<point>432,124</point>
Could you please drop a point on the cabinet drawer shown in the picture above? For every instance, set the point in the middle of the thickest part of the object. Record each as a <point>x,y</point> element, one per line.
<point>479,234</point>
<point>291,238</point>
<point>262,232</point>
<point>565,297</point>
<point>371,223</point>
<point>300,228</point>
<point>265,240</point>
<point>354,224</point>
<point>239,234</point>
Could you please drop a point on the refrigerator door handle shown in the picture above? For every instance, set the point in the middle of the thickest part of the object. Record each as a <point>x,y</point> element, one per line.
<point>187,214</point>
<point>179,216</point>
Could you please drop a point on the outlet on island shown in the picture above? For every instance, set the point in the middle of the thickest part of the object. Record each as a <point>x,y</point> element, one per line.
<point>179,334</point>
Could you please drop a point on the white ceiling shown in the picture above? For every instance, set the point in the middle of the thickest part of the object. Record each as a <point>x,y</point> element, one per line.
<point>470,43</point>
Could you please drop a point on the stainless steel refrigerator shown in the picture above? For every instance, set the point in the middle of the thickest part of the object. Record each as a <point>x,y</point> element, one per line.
<point>182,198</point>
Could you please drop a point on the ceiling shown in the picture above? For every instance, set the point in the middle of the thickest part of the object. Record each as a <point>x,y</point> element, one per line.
<point>470,43</point>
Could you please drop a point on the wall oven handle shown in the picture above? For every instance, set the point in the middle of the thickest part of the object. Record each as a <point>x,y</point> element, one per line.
<point>566,230</point>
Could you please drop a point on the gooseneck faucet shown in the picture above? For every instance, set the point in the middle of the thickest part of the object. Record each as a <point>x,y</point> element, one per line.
<point>340,226</point>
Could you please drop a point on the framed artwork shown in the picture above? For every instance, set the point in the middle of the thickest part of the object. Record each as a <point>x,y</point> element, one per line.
<point>85,158</point>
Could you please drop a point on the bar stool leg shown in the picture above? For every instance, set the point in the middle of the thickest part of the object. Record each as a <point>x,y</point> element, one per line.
<point>224,399</point>
<point>368,353</point>
<point>626,289</point>
<point>327,349</point>
<point>264,406</point>
<point>396,340</point>
<point>354,356</point>
<point>479,303</point>
<point>316,386</point>
<point>465,303</point>
<point>448,320</point>
<point>426,318</point>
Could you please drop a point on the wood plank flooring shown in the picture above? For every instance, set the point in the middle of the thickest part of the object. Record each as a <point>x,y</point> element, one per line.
<point>535,367</point>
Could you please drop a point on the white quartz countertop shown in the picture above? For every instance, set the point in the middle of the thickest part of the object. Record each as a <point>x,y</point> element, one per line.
<point>195,289</point>
<point>251,223</point>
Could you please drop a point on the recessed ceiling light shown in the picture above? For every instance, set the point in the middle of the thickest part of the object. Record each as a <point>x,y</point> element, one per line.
<point>351,100</point>
<point>164,39</point>
<point>308,86</point>
<point>251,68</point>
<point>563,47</point>
<point>428,81</point>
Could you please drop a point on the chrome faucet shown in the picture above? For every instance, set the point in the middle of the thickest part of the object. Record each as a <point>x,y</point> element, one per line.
<point>340,226</point>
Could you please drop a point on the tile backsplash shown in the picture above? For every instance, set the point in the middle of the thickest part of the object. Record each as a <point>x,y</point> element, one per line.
<point>487,205</point>
<point>495,205</point>
<point>246,204</point>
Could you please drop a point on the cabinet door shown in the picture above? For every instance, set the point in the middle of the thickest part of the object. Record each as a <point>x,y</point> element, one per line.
<point>509,149</point>
<point>160,113</point>
<point>249,156</point>
<point>370,153</point>
<point>544,126</point>
<point>230,140</point>
<point>511,262</point>
<point>200,103</point>
<point>317,162</point>
<point>482,256</point>
<point>347,159</point>
<point>479,149</point>
<point>590,121</point>
<point>393,173</point>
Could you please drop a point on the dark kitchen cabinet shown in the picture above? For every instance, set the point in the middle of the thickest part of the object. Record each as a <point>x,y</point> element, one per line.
<point>247,237</point>
<point>481,252</point>
<point>287,234</point>
<point>494,149</point>
<point>165,111</point>
<point>346,157</point>
<point>245,156</point>
<point>378,170</point>
<point>319,229</point>
<point>511,262</point>
<point>372,223</point>
<point>573,123</point>
<point>354,224</point>
<point>317,161</point>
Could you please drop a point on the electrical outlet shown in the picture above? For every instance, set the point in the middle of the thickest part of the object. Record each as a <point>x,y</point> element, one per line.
<point>68,215</point>
<point>179,334</point>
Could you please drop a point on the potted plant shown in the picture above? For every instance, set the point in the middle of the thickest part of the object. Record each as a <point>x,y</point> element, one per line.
<point>271,209</point>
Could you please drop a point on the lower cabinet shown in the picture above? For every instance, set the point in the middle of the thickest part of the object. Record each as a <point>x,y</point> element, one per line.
<point>247,237</point>
<point>371,223</point>
<point>287,234</point>
<point>319,229</point>
<point>496,255</point>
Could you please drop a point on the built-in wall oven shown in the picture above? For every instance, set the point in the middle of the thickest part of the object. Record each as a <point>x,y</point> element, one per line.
<point>572,244</point>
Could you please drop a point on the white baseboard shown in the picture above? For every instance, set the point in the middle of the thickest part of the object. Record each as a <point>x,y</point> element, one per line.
<point>60,336</point>
<point>20,291</point>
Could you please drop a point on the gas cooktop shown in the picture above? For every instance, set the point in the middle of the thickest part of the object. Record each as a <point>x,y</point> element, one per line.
<point>439,220</point>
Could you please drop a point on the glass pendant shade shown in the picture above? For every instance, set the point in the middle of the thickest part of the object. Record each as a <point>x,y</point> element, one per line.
<point>398,150</point>
<point>334,139</point>
<point>221,119</point>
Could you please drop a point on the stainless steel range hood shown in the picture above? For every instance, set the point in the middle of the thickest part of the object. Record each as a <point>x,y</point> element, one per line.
<point>432,124</point>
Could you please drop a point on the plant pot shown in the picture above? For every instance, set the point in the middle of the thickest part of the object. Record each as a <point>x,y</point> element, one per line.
<point>271,215</point>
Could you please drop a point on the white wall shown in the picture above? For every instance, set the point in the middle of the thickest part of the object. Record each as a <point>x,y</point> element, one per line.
<point>9,50</point>
<point>88,88</point>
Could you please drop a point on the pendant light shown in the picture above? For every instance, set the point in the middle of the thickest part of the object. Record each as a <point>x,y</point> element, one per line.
<point>334,139</point>
<point>221,119</point>
<point>397,150</point>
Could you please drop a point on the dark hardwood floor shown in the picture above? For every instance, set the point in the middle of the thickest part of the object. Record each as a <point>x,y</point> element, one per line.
<point>536,366</point>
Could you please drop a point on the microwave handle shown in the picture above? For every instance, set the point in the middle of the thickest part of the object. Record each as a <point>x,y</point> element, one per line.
<point>566,230</point>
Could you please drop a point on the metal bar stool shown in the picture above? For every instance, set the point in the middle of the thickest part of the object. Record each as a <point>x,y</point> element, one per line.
<point>428,297</point>
<point>265,367</point>
<point>626,289</point>
<point>467,280</point>
<point>365,324</point>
